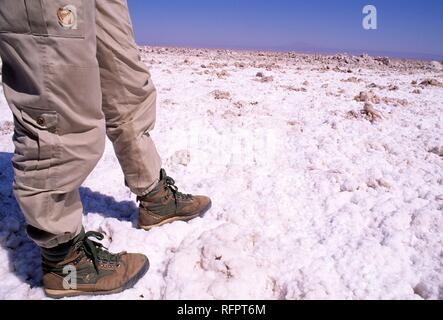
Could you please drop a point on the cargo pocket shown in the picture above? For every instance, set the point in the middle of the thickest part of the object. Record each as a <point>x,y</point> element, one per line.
<point>66,18</point>
<point>37,148</point>
<point>13,17</point>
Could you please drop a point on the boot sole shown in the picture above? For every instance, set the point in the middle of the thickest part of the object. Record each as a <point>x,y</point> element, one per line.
<point>178,218</point>
<point>59,294</point>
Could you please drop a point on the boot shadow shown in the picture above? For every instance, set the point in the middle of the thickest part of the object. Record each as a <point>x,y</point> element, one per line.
<point>108,207</point>
<point>23,254</point>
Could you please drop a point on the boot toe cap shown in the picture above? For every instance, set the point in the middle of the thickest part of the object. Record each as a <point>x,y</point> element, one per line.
<point>205,203</point>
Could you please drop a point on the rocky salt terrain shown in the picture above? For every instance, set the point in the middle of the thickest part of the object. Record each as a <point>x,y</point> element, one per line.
<point>326,174</point>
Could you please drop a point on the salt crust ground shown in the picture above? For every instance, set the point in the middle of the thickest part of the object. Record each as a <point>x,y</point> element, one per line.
<point>325,173</point>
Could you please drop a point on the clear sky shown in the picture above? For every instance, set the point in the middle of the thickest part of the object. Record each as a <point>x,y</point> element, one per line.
<point>410,28</point>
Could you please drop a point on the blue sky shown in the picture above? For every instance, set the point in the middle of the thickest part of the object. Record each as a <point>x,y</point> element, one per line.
<point>410,28</point>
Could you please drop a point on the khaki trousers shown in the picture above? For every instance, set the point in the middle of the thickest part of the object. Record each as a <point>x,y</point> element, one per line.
<point>72,74</point>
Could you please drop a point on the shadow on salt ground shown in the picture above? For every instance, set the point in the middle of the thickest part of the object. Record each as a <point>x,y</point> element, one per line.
<point>23,254</point>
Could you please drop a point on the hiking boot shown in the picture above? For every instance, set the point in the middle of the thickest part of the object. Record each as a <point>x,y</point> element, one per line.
<point>89,269</point>
<point>165,204</point>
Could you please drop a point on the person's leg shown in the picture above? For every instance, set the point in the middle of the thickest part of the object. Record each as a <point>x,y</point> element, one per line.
<point>129,97</point>
<point>129,104</point>
<point>52,84</point>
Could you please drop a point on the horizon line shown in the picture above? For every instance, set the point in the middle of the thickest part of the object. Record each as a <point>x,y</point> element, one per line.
<point>420,56</point>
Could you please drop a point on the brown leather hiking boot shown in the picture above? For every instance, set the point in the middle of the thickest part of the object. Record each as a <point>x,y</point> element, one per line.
<point>88,269</point>
<point>165,204</point>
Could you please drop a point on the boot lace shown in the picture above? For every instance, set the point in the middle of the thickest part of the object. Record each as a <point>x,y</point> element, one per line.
<point>171,187</point>
<point>95,251</point>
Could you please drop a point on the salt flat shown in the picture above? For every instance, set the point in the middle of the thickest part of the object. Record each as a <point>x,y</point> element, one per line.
<point>326,174</point>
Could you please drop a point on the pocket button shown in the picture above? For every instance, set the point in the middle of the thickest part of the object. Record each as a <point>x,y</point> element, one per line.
<point>41,121</point>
